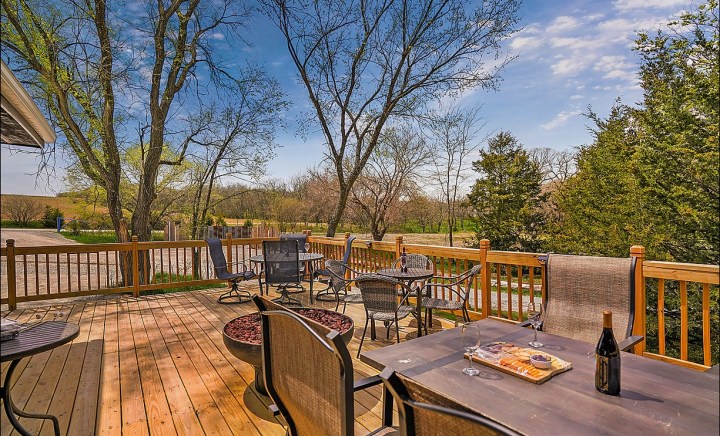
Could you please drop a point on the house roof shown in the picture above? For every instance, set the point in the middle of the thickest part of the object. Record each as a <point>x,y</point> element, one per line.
<point>21,122</point>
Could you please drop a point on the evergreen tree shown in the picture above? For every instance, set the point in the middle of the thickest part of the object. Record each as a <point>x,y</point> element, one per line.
<point>506,199</point>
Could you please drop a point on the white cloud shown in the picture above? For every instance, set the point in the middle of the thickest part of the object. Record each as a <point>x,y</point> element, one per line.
<point>567,67</point>
<point>627,5</point>
<point>525,42</point>
<point>576,97</point>
<point>610,63</point>
<point>563,24</point>
<point>575,43</point>
<point>217,36</point>
<point>560,119</point>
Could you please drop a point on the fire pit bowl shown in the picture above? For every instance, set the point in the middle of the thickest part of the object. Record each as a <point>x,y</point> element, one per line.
<point>242,335</point>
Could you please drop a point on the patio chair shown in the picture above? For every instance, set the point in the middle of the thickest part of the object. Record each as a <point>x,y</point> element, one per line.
<point>425,412</point>
<point>414,261</point>
<point>308,376</point>
<point>281,268</point>
<point>221,272</point>
<point>379,296</point>
<point>458,291</point>
<point>323,275</point>
<point>301,238</point>
<point>339,284</point>
<point>580,288</point>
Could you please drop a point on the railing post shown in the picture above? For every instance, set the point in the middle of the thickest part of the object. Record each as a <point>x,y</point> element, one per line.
<point>639,326</point>
<point>229,255</point>
<point>135,266</point>
<point>485,277</point>
<point>398,246</point>
<point>12,286</point>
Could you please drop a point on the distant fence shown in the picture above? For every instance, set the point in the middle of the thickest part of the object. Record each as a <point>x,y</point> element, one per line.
<point>49,272</point>
<point>256,231</point>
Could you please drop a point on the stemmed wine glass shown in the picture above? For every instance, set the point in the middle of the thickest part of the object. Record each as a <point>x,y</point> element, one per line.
<point>470,338</point>
<point>403,264</point>
<point>307,247</point>
<point>533,314</point>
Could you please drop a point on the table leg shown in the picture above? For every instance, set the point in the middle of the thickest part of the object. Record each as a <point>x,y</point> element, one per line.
<point>11,410</point>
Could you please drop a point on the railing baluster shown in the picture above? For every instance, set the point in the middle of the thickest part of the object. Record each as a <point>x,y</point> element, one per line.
<point>707,356</point>
<point>661,316</point>
<point>683,320</point>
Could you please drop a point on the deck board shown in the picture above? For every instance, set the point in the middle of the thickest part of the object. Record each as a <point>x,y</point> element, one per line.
<point>157,365</point>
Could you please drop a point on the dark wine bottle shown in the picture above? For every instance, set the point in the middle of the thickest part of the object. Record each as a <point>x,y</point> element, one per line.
<point>403,261</point>
<point>607,359</point>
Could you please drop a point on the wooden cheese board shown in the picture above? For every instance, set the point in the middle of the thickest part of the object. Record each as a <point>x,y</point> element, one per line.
<point>515,361</point>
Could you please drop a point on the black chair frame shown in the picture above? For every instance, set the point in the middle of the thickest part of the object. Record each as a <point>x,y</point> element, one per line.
<point>220,267</point>
<point>283,285</point>
<point>324,276</point>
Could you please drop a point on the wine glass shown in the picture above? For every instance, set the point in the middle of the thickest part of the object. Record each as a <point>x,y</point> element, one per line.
<point>470,338</point>
<point>403,263</point>
<point>307,247</point>
<point>533,313</point>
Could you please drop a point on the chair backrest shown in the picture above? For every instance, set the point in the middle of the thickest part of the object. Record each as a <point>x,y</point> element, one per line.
<point>465,280</point>
<point>580,288</point>
<point>426,412</point>
<point>309,378</point>
<point>415,261</point>
<point>218,257</point>
<point>379,293</point>
<point>348,250</point>
<point>301,238</point>
<point>337,273</point>
<point>281,262</point>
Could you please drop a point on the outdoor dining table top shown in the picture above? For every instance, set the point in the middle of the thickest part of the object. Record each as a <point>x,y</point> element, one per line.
<point>656,397</point>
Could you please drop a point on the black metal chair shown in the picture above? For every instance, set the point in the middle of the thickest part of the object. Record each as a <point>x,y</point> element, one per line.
<point>340,284</point>
<point>323,275</point>
<point>309,377</point>
<point>414,260</point>
<point>379,296</point>
<point>281,268</point>
<point>425,412</point>
<point>221,272</point>
<point>580,288</point>
<point>458,291</point>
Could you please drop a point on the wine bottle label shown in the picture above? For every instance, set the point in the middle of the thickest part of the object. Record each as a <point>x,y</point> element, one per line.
<point>602,372</point>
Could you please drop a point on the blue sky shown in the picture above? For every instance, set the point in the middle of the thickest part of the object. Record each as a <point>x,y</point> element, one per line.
<point>571,54</point>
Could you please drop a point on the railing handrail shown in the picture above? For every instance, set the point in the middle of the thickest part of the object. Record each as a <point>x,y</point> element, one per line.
<point>450,259</point>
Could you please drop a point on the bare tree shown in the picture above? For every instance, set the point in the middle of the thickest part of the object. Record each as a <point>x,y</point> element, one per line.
<point>96,67</point>
<point>388,176</point>
<point>22,209</point>
<point>364,62</point>
<point>556,165</point>
<point>454,133</point>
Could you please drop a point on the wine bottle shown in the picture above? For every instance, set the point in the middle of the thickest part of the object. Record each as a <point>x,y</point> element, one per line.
<point>403,261</point>
<point>607,359</point>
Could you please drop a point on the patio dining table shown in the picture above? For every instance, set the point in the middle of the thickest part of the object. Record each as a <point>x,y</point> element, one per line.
<point>656,397</point>
<point>308,258</point>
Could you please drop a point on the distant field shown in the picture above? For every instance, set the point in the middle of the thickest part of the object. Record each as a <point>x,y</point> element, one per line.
<point>70,207</point>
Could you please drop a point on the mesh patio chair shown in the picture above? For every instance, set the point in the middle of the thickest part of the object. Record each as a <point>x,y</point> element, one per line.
<point>281,268</point>
<point>425,412</point>
<point>301,238</point>
<point>414,261</point>
<point>339,284</point>
<point>323,275</point>
<point>379,296</point>
<point>308,376</point>
<point>457,291</point>
<point>220,266</point>
<point>580,288</point>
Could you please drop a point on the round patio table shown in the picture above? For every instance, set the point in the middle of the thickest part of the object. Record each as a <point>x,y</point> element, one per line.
<point>412,275</point>
<point>33,340</point>
<point>308,258</point>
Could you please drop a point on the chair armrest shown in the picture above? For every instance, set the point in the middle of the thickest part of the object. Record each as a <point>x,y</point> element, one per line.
<point>367,382</point>
<point>629,342</point>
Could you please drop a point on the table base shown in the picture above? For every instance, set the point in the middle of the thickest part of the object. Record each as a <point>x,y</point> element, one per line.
<point>11,410</point>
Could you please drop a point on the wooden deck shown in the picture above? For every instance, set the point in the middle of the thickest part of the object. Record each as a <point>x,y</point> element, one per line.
<point>157,365</point>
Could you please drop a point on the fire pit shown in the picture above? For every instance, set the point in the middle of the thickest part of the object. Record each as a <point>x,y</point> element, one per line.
<point>242,335</point>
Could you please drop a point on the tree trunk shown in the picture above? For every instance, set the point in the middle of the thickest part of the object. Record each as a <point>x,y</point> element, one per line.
<point>338,212</point>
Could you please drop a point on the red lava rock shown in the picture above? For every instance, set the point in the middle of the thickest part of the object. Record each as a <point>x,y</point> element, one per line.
<point>247,328</point>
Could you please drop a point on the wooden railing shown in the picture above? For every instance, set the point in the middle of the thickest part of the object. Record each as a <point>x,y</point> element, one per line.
<point>507,280</point>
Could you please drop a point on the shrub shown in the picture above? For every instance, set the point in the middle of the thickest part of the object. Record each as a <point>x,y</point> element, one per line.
<point>49,221</point>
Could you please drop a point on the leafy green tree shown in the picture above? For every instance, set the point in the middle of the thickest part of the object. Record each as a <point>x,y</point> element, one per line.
<point>506,199</point>
<point>678,134</point>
